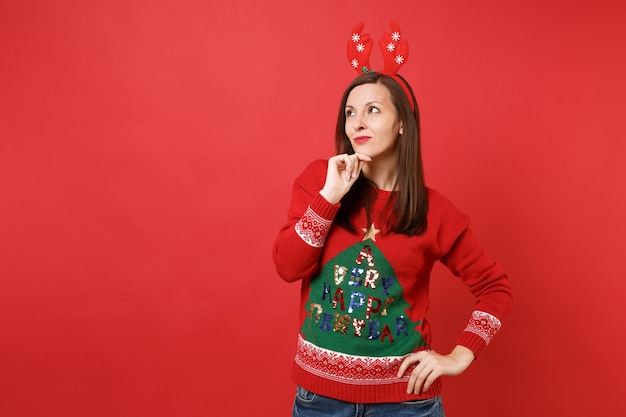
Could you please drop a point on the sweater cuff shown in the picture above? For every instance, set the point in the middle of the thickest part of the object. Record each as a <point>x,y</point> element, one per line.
<point>473,342</point>
<point>323,208</point>
<point>481,328</point>
<point>315,224</point>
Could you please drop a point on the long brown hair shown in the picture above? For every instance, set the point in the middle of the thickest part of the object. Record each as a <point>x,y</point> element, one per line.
<point>411,202</point>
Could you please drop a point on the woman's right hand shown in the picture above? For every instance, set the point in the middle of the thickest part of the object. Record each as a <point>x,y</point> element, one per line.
<point>343,171</point>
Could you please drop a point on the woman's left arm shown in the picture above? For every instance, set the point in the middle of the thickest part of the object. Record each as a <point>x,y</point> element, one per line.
<point>488,282</point>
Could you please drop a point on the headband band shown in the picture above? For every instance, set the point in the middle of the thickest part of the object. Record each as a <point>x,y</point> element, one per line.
<point>394,48</point>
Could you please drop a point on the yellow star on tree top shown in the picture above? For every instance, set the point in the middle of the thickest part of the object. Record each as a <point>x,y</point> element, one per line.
<point>370,232</point>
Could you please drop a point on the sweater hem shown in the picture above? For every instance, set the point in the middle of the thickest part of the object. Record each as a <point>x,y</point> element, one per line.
<point>359,393</point>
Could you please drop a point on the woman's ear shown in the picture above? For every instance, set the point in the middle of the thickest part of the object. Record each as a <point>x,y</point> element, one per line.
<point>401,130</point>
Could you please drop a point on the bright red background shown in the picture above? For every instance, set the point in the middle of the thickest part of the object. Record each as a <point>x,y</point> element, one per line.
<point>147,154</point>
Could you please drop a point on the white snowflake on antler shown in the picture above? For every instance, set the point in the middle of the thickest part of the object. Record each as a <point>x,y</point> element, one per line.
<point>395,36</point>
<point>360,47</point>
<point>391,47</point>
<point>356,37</point>
<point>399,59</point>
<point>355,63</point>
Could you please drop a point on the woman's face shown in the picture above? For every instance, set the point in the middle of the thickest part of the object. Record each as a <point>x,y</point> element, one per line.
<point>372,123</point>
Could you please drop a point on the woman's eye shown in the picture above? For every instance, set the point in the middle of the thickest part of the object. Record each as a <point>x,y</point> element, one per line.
<point>349,113</point>
<point>374,110</point>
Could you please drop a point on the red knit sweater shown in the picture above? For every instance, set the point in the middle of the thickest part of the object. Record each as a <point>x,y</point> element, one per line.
<point>364,295</point>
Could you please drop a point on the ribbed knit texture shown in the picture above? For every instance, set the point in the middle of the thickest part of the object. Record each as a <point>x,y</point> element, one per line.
<point>383,393</point>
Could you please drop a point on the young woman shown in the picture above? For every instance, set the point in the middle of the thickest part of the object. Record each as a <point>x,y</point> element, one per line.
<point>362,235</point>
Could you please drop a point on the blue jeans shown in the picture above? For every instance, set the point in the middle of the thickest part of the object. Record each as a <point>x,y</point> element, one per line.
<point>308,404</point>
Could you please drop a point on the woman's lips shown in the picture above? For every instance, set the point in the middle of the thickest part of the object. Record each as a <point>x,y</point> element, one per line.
<point>362,139</point>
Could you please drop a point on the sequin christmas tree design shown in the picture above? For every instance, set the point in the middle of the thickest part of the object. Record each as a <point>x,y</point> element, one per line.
<point>356,306</point>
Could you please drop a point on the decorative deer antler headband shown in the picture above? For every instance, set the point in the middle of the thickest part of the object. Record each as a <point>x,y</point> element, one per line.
<point>395,50</point>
